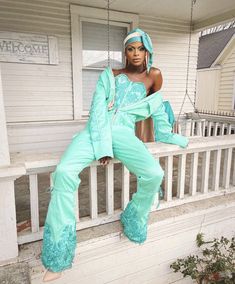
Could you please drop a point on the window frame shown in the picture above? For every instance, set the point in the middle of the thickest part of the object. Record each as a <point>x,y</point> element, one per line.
<point>79,14</point>
<point>99,21</point>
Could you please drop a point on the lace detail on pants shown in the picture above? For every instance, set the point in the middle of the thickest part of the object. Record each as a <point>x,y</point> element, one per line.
<point>57,256</point>
<point>134,228</point>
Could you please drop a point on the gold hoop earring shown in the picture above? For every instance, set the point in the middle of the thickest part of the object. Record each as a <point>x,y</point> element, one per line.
<point>126,62</point>
<point>145,63</point>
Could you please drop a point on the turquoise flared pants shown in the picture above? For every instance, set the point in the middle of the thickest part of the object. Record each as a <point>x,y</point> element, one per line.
<point>59,239</point>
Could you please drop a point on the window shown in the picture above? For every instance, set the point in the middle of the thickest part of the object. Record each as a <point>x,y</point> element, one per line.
<point>95,54</point>
<point>90,49</point>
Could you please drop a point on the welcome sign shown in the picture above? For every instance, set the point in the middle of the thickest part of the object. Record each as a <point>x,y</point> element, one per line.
<point>28,48</point>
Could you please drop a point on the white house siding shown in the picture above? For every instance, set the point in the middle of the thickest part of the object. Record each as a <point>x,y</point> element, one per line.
<point>43,93</point>
<point>208,81</point>
<point>34,92</point>
<point>227,83</point>
<point>42,137</point>
<point>170,40</point>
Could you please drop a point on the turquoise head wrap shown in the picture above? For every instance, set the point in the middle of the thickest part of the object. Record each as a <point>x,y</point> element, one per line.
<point>139,35</point>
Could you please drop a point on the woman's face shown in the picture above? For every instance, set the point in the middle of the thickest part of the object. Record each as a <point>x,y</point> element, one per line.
<point>135,53</point>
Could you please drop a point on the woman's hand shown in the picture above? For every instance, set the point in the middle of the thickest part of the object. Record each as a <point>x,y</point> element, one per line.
<point>105,160</point>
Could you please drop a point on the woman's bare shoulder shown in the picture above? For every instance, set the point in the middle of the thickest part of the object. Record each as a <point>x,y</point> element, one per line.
<point>156,77</point>
<point>154,72</point>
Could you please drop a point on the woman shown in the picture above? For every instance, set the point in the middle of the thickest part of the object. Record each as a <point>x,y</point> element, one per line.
<point>120,100</point>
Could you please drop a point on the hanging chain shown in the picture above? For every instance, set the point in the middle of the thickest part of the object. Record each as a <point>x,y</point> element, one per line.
<point>108,28</point>
<point>108,31</point>
<point>193,2</point>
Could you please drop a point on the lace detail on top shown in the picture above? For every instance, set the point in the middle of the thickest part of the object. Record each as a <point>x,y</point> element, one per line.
<point>57,256</point>
<point>128,91</point>
<point>134,229</point>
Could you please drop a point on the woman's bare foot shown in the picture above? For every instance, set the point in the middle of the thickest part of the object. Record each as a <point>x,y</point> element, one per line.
<point>50,276</point>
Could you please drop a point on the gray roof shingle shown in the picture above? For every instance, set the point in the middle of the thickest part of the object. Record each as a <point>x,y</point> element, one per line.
<point>211,45</point>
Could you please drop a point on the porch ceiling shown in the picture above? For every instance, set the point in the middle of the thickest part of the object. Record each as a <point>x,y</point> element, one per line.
<point>206,12</point>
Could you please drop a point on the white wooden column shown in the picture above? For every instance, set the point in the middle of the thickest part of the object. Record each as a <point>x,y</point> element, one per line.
<point>8,233</point>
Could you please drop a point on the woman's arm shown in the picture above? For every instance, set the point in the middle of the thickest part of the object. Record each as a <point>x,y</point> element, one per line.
<point>157,79</point>
<point>162,127</point>
<point>98,123</point>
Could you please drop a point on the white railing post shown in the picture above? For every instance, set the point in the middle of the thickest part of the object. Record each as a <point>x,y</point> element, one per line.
<point>193,174</point>
<point>199,128</point>
<point>193,124</point>
<point>125,186</point>
<point>209,128</point>
<point>216,170</point>
<point>204,128</point>
<point>109,189</point>
<point>8,233</point>
<point>34,210</point>
<point>93,191</point>
<point>188,127</point>
<point>205,171</point>
<point>168,178</point>
<point>181,176</point>
<point>227,167</point>
<point>216,129</point>
<point>222,129</point>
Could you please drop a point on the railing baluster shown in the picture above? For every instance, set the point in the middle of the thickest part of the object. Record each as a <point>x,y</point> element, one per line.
<point>93,191</point>
<point>222,129</point>
<point>209,128</point>
<point>205,171</point>
<point>125,186</point>
<point>156,202</point>
<point>212,128</point>
<point>193,174</point>
<point>179,129</point>
<point>188,126</point>
<point>199,128</point>
<point>168,178</point>
<point>77,216</point>
<point>34,211</point>
<point>204,128</point>
<point>181,176</point>
<point>193,127</point>
<point>51,180</point>
<point>216,170</point>
<point>109,189</point>
<point>215,129</point>
<point>227,167</point>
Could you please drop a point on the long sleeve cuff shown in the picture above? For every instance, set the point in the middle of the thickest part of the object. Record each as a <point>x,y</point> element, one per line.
<point>177,139</point>
<point>102,149</point>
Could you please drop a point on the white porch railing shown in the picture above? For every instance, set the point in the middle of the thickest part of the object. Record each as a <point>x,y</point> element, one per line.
<point>204,169</point>
<point>207,125</point>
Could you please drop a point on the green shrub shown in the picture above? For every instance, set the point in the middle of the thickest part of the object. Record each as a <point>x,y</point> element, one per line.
<point>214,264</point>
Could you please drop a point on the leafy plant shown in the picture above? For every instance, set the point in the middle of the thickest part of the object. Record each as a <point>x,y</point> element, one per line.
<point>214,264</point>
